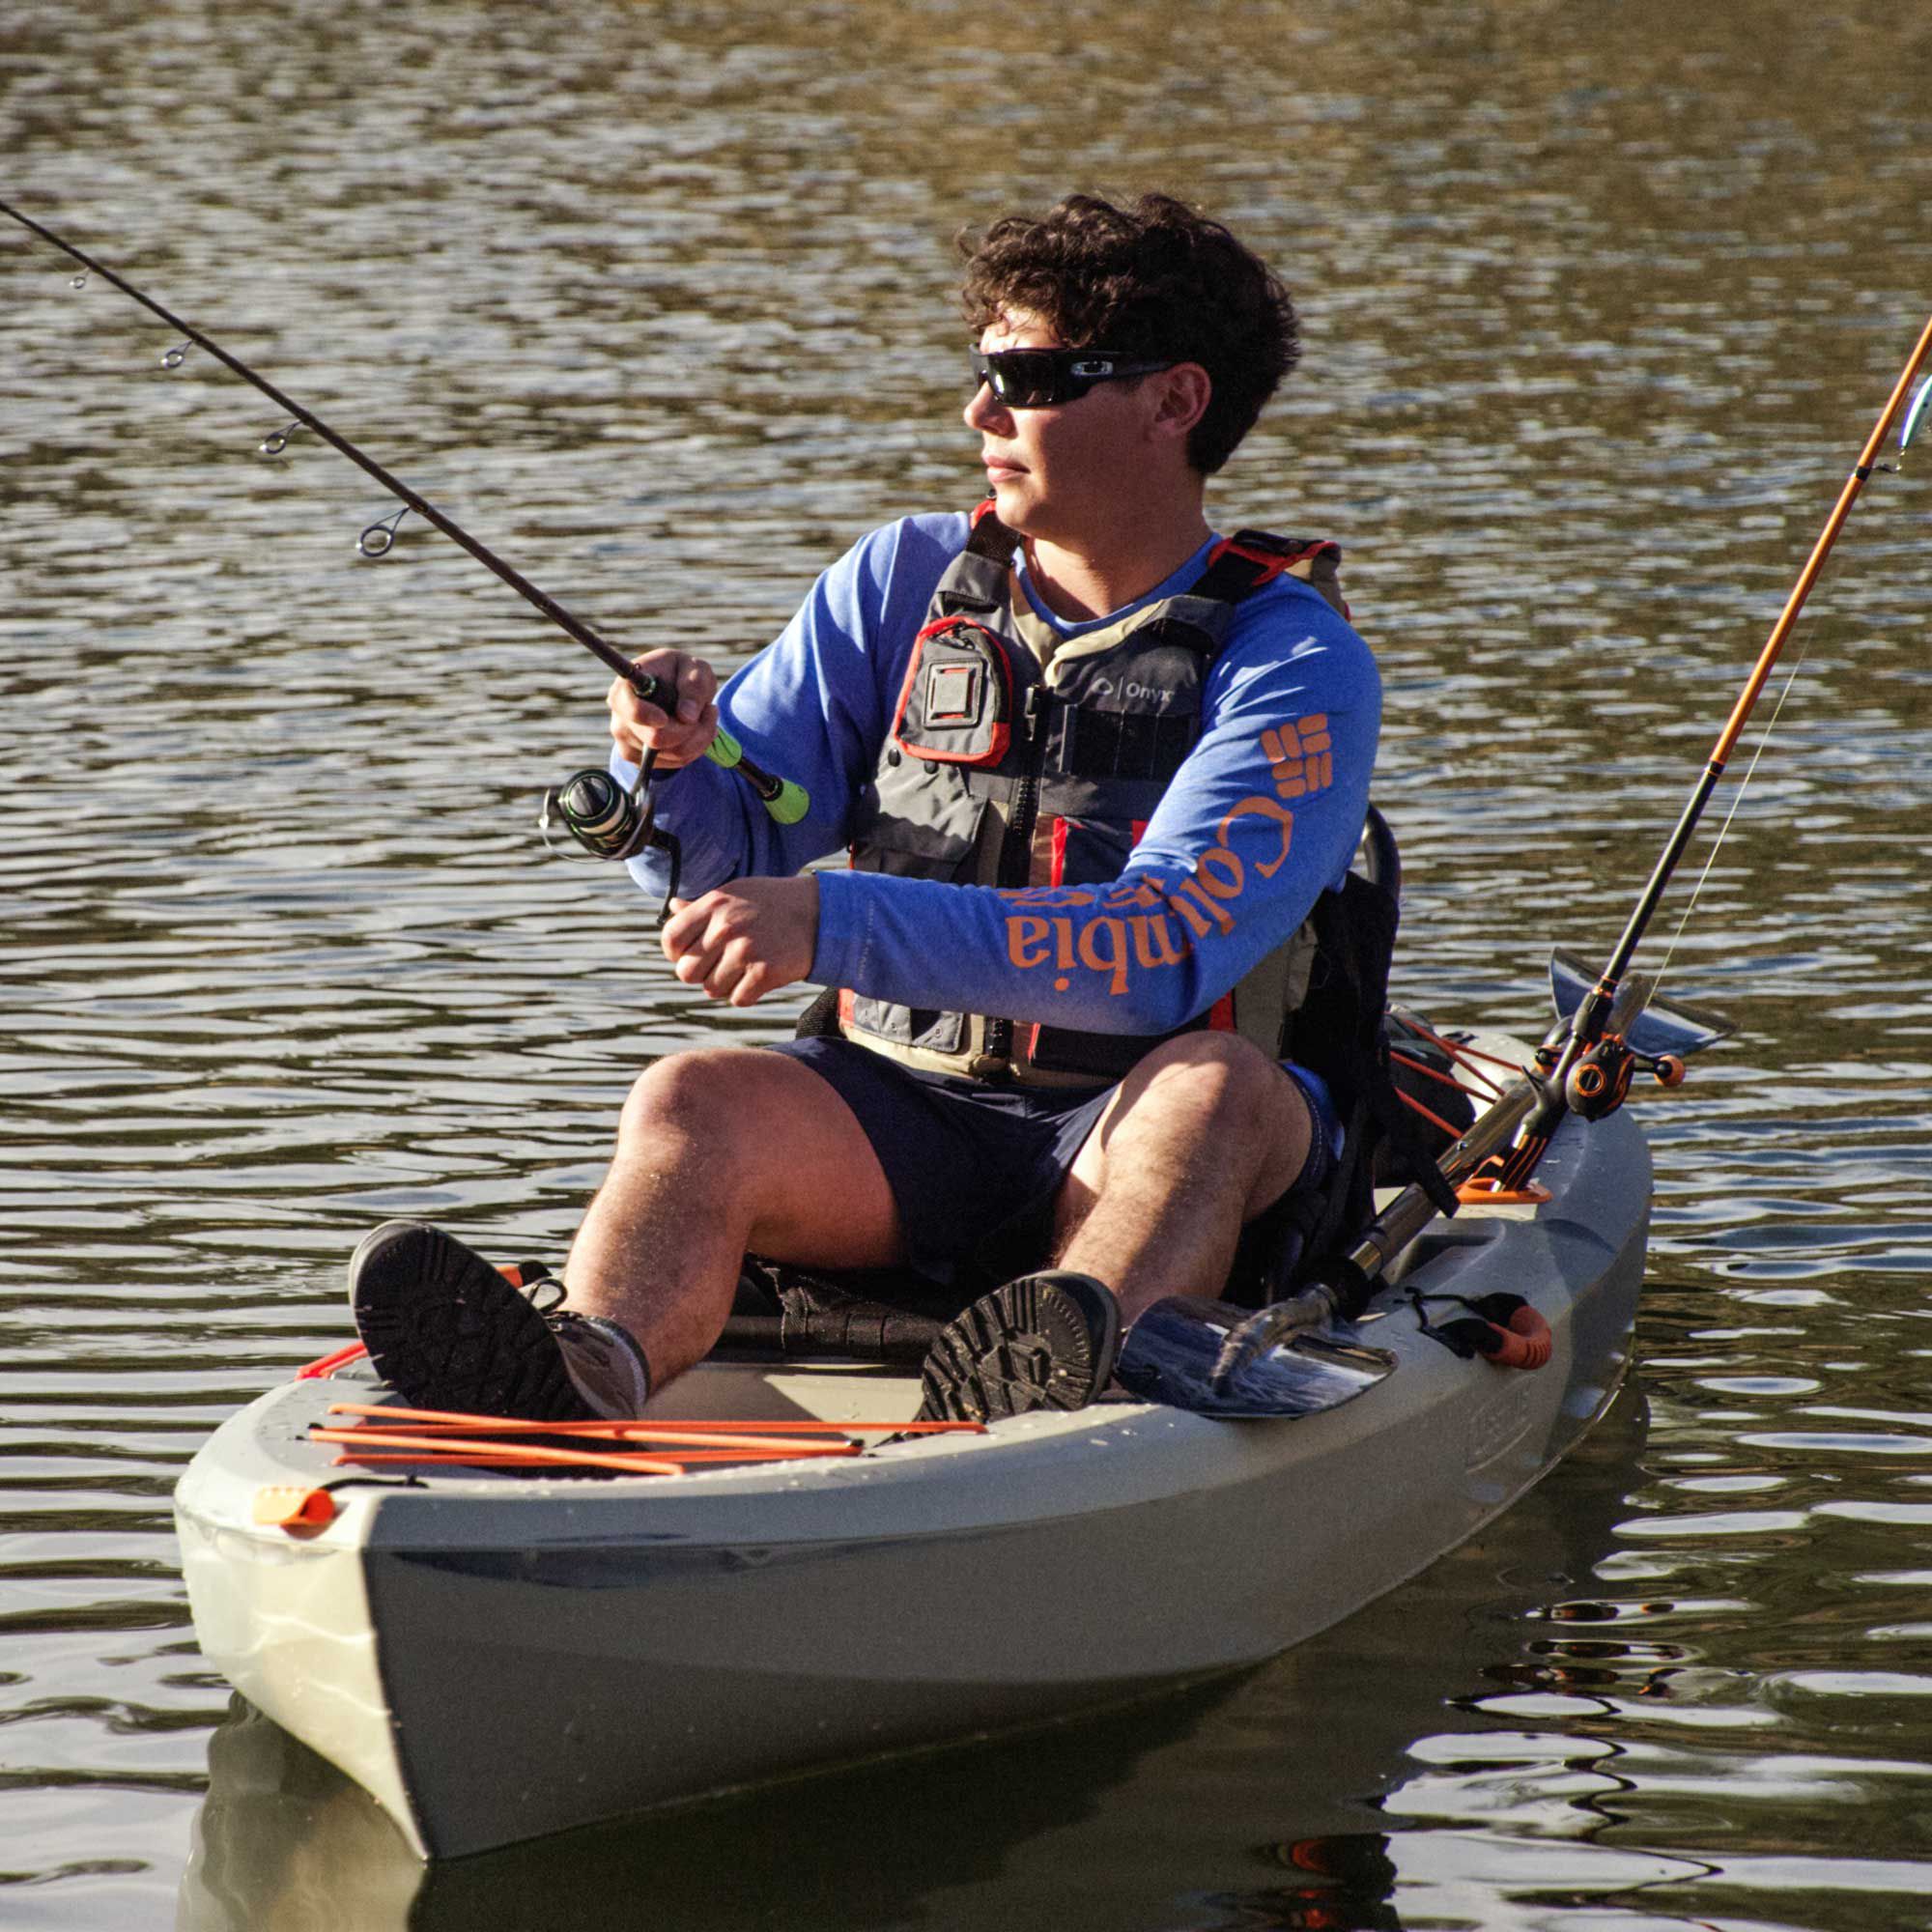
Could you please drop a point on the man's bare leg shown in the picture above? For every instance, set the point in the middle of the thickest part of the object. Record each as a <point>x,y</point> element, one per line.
<point>721,1151</point>
<point>1204,1135</point>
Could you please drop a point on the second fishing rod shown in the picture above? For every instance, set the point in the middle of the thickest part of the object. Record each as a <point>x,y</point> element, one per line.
<point>609,821</point>
<point>1585,1063</point>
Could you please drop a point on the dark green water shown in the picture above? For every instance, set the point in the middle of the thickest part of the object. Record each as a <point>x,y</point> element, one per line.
<point>1600,303</point>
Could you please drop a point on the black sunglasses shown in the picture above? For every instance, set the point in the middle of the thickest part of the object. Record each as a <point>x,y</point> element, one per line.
<point>1038,379</point>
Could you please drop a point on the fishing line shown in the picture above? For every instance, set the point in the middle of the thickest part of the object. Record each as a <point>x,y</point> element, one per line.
<point>1590,1072</point>
<point>1736,803</point>
<point>787,802</point>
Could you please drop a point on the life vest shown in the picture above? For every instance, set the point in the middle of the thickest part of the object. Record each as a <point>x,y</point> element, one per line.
<point>1020,758</point>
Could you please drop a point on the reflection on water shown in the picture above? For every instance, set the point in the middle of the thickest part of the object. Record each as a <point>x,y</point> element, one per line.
<point>1598,309</point>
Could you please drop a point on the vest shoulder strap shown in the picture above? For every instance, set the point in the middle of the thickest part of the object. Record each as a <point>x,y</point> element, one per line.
<point>1249,560</point>
<point>1237,567</point>
<point>989,537</point>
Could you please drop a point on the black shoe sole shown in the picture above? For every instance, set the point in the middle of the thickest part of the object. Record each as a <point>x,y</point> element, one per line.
<point>1047,1341</point>
<point>446,1332</point>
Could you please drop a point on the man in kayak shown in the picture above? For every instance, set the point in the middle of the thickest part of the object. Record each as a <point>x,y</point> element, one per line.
<point>1094,765</point>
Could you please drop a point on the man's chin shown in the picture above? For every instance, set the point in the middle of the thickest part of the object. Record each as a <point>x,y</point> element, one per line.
<point>1016,506</point>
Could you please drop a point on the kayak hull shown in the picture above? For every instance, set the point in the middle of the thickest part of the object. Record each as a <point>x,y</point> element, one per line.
<point>498,1658</point>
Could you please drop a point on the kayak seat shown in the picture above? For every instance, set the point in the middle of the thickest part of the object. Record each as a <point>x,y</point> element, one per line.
<point>893,1314</point>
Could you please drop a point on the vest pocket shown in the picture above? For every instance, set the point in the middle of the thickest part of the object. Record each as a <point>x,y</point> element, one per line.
<point>923,825</point>
<point>1091,851</point>
<point>955,706</point>
<point>1121,745</point>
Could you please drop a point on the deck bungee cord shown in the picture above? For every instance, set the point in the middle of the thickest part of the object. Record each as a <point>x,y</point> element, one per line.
<point>385,1436</point>
<point>1586,1063</point>
<point>429,1439</point>
<point>604,818</point>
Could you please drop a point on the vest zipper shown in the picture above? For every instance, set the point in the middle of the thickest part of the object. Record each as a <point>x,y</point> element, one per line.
<point>1016,848</point>
<point>1017,862</point>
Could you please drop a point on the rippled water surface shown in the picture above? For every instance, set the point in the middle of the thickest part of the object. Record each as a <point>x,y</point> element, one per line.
<point>1599,303</point>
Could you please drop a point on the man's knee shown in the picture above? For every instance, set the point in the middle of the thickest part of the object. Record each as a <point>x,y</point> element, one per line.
<point>1218,1071</point>
<point>775,1139</point>
<point>1238,1107</point>
<point>699,1095</point>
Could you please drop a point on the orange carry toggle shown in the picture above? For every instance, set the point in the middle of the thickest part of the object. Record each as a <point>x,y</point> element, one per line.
<point>1489,1187</point>
<point>291,1506</point>
<point>1524,1344</point>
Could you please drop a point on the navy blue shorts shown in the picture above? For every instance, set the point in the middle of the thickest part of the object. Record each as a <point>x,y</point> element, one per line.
<point>974,1169</point>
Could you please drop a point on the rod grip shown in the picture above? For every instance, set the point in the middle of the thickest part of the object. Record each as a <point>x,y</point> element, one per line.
<point>787,802</point>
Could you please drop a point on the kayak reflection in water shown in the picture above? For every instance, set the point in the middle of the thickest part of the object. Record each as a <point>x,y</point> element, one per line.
<point>1101,773</point>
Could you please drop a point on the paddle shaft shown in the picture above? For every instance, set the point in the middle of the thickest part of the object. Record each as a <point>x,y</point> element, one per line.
<point>1350,1287</point>
<point>1353,1284</point>
<point>725,751</point>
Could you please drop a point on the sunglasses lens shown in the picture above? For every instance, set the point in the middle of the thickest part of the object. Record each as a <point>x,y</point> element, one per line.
<point>1025,379</point>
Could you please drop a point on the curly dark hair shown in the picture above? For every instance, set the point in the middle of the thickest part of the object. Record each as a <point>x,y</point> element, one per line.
<point>1160,279</point>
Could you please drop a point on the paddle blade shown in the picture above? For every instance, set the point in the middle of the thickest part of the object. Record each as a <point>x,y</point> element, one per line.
<point>1172,1351</point>
<point>1663,1025</point>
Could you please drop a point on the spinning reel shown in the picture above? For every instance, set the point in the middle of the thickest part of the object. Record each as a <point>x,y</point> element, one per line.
<point>605,820</point>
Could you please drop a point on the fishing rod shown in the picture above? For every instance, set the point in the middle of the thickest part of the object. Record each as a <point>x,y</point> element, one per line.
<point>607,820</point>
<point>1586,1063</point>
<point>1591,1070</point>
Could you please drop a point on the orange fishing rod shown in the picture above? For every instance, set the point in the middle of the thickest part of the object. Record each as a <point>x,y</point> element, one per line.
<point>1584,1068</point>
<point>1590,1073</point>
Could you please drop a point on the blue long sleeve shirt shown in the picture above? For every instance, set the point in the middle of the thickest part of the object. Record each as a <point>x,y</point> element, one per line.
<point>1263,814</point>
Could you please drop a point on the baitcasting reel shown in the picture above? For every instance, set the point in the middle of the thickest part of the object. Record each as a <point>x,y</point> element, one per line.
<point>1601,1078</point>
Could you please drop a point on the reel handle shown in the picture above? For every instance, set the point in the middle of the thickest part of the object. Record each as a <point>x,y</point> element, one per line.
<point>1599,1083</point>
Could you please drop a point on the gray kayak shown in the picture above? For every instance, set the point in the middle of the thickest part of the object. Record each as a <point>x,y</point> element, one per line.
<point>497,1655</point>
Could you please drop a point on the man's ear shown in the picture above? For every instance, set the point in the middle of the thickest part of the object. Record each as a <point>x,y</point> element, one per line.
<point>1184,393</point>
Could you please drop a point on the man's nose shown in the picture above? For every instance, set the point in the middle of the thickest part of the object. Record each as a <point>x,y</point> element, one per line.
<point>984,411</point>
